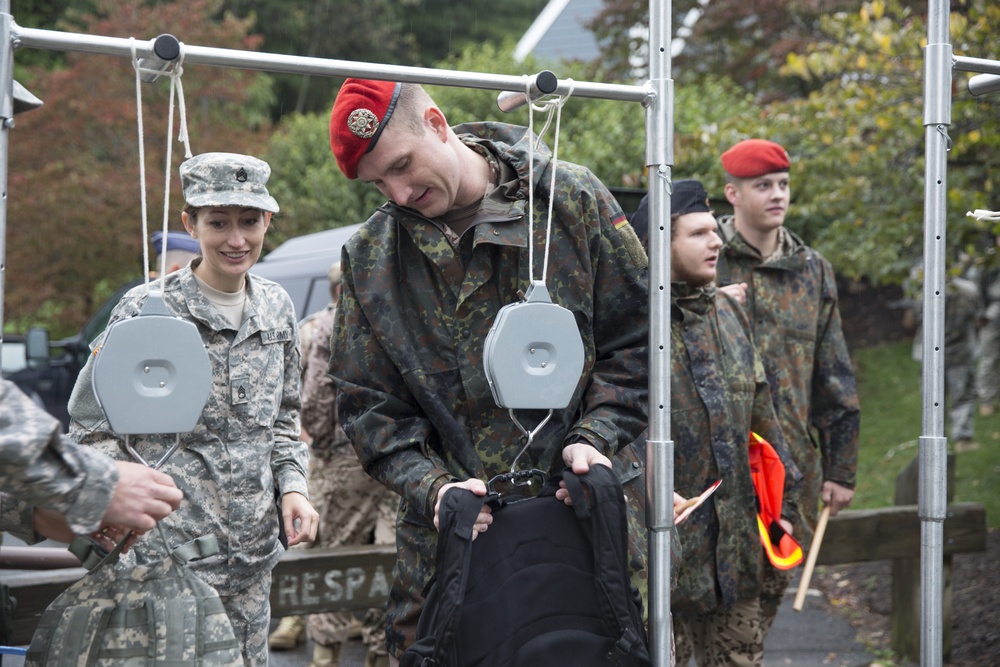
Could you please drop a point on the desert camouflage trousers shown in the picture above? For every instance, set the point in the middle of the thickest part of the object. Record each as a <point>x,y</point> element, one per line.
<point>725,637</point>
<point>353,509</point>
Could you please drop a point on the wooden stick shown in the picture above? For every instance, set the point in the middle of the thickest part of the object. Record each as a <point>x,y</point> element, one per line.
<point>807,573</point>
<point>690,502</point>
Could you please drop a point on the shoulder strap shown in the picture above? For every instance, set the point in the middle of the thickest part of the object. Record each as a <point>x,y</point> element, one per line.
<point>601,513</point>
<point>456,518</point>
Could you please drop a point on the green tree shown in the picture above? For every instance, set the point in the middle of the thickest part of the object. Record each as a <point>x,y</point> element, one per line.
<point>307,183</point>
<point>857,140</point>
<point>394,32</point>
<point>746,41</point>
<point>371,31</point>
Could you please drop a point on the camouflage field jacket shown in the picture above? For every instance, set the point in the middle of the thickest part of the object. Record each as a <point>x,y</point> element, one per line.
<point>792,306</point>
<point>245,446</point>
<point>414,315</point>
<point>40,466</point>
<point>718,395</point>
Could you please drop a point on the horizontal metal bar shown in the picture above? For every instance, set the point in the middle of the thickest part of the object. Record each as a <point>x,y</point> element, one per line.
<point>287,64</point>
<point>981,65</point>
<point>984,84</point>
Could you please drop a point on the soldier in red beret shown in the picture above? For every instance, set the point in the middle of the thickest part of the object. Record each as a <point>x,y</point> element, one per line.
<point>790,294</point>
<point>422,283</point>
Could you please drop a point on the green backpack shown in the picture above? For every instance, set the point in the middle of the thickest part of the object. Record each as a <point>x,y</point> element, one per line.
<point>161,613</point>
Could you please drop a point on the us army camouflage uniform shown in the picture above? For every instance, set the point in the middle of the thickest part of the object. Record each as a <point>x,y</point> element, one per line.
<point>244,449</point>
<point>353,508</point>
<point>40,466</point>
<point>719,393</point>
<point>410,332</point>
<point>792,305</point>
<point>16,518</point>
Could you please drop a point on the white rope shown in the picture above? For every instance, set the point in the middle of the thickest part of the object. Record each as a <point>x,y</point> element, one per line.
<point>142,161</point>
<point>983,214</point>
<point>551,106</point>
<point>176,89</point>
<point>531,180</point>
<point>554,104</point>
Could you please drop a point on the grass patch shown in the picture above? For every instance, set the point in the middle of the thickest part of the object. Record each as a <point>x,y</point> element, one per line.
<point>891,424</point>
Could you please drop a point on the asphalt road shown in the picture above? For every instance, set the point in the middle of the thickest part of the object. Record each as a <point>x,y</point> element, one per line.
<point>813,637</point>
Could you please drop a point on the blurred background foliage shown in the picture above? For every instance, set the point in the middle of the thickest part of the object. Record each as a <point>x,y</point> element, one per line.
<point>838,84</point>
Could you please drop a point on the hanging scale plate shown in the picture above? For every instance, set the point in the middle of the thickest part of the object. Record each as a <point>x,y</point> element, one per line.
<point>152,373</point>
<point>534,354</point>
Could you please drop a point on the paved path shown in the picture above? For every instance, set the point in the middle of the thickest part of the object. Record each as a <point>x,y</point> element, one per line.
<point>813,637</point>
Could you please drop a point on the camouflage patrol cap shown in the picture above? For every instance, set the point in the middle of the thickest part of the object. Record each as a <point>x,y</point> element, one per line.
<point>227,179</point>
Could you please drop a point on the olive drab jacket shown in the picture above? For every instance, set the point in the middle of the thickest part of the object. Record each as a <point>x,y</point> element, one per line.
<point>415,312</point>
<point>792,306</point>
<point>718,394</point>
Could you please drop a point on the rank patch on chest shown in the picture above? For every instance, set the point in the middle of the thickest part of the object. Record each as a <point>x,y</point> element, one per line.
<point>239,391</point>
<point>276,336</point>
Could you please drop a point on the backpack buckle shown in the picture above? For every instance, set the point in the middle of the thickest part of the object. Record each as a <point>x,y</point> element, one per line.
<point>516,485</point>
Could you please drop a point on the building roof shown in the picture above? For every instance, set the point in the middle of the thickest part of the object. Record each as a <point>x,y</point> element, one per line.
<point>559,32</point>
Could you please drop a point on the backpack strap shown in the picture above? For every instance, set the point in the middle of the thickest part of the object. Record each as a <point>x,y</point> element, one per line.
<point>196,549</point>
<point>88,551</point>
<point>456,519</point>
<point>600,510</point>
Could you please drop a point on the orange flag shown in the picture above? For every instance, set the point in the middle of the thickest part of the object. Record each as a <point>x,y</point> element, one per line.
<point>768,475</point>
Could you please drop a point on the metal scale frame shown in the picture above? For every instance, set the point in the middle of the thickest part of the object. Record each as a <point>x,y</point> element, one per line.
<point>656,96</point>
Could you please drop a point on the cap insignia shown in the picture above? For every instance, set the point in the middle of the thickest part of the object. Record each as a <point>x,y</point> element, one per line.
<point>241,175</point>
<point>362,123</point>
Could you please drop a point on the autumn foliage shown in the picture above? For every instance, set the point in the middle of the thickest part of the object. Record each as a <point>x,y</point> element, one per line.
<point>74,216</point>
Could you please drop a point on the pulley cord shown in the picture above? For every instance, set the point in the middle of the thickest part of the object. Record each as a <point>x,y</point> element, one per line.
<point>551,106</point>
<point>176,89</point>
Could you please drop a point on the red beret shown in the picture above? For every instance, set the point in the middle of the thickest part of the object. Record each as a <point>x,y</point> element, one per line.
<point>755,157</point>
<point>360,113</point>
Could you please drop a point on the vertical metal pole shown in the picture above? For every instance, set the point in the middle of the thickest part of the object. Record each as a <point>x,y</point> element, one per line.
<point>6,123</point>
<point>659,446</point>
<point>933,444</point>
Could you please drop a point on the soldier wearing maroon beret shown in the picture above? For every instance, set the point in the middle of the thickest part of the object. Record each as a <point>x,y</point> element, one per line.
<point>422,282</point>
<point>790,295</point>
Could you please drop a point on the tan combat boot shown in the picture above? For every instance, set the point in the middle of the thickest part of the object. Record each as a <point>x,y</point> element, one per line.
<point>325,656</point>
<point>373,659</point>
<point>291,632</point>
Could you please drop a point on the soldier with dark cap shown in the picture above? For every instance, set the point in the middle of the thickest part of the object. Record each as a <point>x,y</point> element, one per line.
<point>245,449</point>
<point>791,300</point>
<point>719,394</point>
<point>422,283</point>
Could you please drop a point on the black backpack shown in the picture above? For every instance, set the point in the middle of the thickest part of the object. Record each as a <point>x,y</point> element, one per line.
<point>547,584</point>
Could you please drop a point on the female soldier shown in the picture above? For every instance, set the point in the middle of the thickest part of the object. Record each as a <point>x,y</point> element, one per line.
<point>245,449</point>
